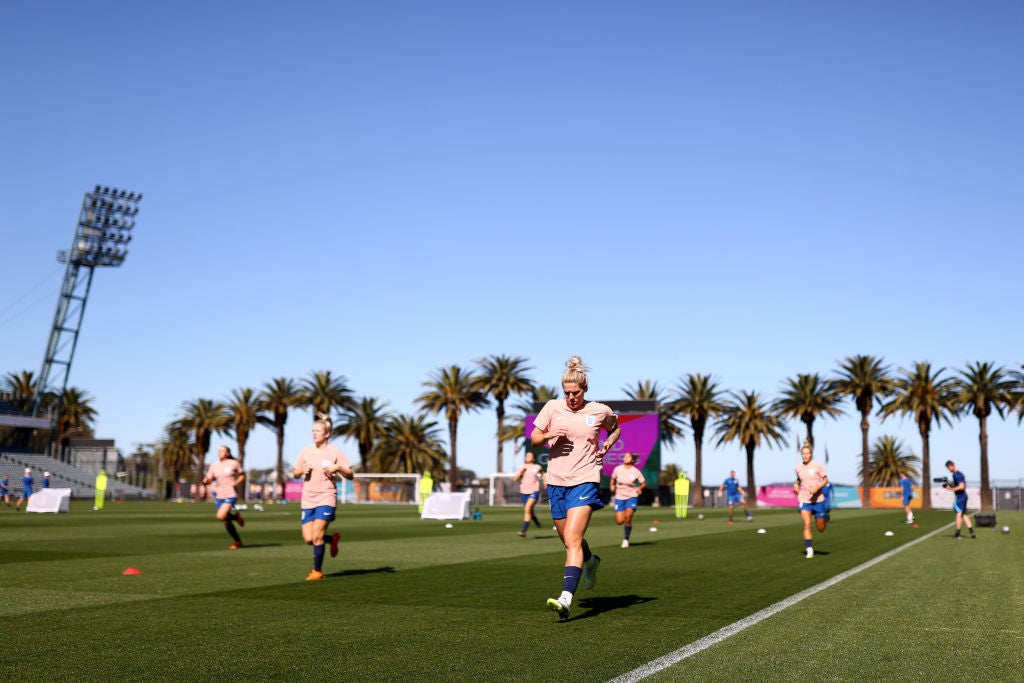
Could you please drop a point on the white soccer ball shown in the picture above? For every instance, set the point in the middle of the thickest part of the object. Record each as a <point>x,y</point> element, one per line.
<point>761,531</point>
<point>1005,529</point>
<point>700,516</point>
<point>448,525</point>
<point>654,528</point>
<point>888,533</point>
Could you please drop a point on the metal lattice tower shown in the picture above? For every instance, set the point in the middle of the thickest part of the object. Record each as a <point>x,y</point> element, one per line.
<point>101,238</point>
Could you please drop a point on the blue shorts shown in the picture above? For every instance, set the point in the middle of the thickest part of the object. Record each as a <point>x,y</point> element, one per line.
<point>324,512</point>
<point>221,501</point>
<point>735,500</point>
<point>530,496</point>
<point>907,499</point>
<point>819,510</point>
<point>960,504</point>
<point>564,497</point>
<point>627,504</point>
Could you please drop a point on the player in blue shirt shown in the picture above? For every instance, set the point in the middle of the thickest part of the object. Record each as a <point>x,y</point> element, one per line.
<point>5,489</point>
<point>736,495</point>
<point>908,494</point>
<point>26,488</point>
<point>959,489</point>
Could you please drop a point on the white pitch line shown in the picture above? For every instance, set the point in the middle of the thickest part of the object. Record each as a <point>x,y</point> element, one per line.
<point>721,634</point>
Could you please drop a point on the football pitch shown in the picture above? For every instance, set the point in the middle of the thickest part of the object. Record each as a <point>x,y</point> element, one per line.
<point>411,600</point>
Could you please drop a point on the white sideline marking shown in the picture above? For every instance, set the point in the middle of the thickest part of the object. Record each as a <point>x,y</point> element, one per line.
<point>732,629</point>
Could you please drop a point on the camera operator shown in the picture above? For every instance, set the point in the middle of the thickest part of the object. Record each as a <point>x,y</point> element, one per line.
<point>959,488</point>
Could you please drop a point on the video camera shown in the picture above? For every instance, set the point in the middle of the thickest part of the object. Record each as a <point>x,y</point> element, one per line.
<point>946,483</point>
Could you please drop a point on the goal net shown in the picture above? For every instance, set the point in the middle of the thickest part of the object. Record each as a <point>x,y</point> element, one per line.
<point>50,500</point>
<point>440,505</point>
<point>503,490</point>
<point>369,487</point>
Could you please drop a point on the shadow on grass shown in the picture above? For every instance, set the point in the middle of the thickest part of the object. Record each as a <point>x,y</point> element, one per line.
<point>357,572</point>
<point>599,605</point>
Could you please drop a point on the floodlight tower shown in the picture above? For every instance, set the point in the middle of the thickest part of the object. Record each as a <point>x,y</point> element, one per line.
<point>101,238</point>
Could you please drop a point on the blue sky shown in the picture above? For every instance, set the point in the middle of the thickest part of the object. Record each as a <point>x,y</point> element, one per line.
<point>746,189</point>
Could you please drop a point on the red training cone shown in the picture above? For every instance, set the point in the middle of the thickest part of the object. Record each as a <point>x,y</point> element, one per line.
<point>131,571</point>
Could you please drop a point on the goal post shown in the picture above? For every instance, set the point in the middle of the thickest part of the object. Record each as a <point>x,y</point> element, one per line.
<point>374,487</point>
<point>503,490</point>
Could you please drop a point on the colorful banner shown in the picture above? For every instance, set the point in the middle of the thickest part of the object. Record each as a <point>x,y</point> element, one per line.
<point>892,497</point>
<point>782,496</point>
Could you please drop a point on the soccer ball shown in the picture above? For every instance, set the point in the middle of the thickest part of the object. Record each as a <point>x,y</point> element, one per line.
<point>700,516</point>
<point>1006,529</point>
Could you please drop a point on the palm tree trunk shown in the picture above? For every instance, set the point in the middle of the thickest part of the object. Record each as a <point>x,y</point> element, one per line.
<point>926,468</point>
<point>697,487</point>
<point>453,475</point>
<point>751,484</point>
<point>865,460</point>
<point>986,488</point>
<point>280,459</point>
<point>501,444</point>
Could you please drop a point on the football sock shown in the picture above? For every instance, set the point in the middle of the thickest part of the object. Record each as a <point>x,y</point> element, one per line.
<point>232,531</point>
<point>318,556</point>
<point>571,580</point>
<point>808,543</point>
<point>526,525</point>
<point>586,551</point>
<point>628,529</point>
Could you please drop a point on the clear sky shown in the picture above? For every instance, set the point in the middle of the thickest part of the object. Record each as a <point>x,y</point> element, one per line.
<point>747,189</point>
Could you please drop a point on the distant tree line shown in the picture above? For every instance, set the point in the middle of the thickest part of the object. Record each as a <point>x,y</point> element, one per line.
<point>409,443</point>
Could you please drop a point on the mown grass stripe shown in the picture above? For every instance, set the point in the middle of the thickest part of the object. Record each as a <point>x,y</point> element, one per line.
<point>673,658</point>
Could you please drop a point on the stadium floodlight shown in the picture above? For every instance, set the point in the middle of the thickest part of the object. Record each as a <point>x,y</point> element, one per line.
<point>104,225</point>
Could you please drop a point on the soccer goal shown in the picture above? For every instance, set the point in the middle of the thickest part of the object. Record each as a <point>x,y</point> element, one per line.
<point>369,487</point>
<point>503,490</point>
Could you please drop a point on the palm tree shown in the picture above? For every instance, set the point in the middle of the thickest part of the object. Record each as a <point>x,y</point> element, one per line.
<point>982,388</point>
<point>807,398</point>
<point>321,391</point>
<point>243,409</point>
<point>451,390</point>
<point>1018,393</point>
<point>699,400</point>
<point>76,414</point>
<point>411,444</point>
<point>928,397</point>
<point>515,429</point>
<point>669,428</point>
<point>501,377</point>
<point>366,422</point>
<point>889,462</point>
<point>202,417</point>
<point>277,397</point>
<point>865,379</point>
<point>22,389</point>
<point>748,420</point>
<point>174,451</point>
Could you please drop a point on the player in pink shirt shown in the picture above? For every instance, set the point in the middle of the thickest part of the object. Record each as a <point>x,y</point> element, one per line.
<point>530,476</point>
<point>571,428</point>
<point>811,478</point>
<point>319,465</point>
<point>228,475</point>
<point>627,483</point>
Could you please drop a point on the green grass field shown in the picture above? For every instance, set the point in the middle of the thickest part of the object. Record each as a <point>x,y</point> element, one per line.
<point>409,600</point>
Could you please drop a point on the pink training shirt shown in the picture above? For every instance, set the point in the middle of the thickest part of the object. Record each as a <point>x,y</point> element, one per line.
<point>318,489</point>
<point>529,481</point>
<point>223,473</point>
<point>811,476</point>
<point>625,478</point>
<point>573,460</point>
